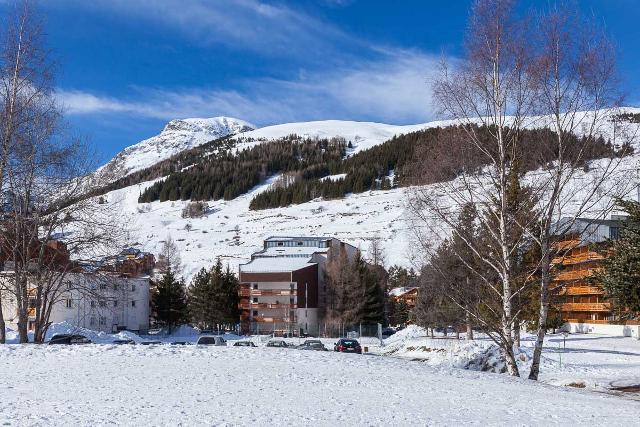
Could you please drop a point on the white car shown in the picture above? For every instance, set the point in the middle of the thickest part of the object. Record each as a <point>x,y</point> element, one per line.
<point>211,340</point>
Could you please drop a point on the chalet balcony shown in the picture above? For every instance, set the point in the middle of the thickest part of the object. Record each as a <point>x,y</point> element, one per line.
<point>247,292</point>
<point>578,258</point>
<point>263,305</point>
<point>567,275</point>
<point>580,290</point>
<point>586,306</point>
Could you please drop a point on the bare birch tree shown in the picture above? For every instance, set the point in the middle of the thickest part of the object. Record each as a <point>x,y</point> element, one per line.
<point>578,94</point>
<point>490,88</point>
<point>42,172</point>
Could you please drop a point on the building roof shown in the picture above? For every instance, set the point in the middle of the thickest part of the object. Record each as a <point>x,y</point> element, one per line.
<point>289,251</point>
<point>396,292</point>
<point>590,230</point>
<point>275,265</point>
<point>292,238</point>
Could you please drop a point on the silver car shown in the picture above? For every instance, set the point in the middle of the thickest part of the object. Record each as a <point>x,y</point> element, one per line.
<point>211,340</point>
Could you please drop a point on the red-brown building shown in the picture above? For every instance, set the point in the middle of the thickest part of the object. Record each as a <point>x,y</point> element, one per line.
<point>282,288</point>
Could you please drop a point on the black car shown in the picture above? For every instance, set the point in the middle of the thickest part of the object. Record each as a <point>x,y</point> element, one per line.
<point>244,344</point>
<point>277,343</point>
<point>69,339</point>
<point>124,342</point>
<point>347,345</point>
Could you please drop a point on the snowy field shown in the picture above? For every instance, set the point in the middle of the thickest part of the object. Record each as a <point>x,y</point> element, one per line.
<point>169,385</point>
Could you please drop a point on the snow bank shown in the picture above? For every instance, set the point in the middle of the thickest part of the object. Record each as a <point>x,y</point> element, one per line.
<point>478,355</point>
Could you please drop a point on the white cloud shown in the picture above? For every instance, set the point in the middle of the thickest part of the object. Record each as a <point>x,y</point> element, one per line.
<point>393,89</point>
<point>247,24</point>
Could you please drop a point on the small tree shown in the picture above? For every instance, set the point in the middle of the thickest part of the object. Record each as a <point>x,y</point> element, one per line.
<point>170,302</point>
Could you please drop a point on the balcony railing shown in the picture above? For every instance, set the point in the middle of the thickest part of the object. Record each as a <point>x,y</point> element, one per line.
<point>267,319</point>
<point>573,275</point>
<point>578,258</point>
<point>585,306</point>
<point>256,305</point>
<point>246,292</point>
<point>580,290</point>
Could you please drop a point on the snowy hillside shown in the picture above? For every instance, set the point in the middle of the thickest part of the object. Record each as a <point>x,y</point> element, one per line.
<point>362,135</point>
<point>231,231</point>
<point>177,136</point>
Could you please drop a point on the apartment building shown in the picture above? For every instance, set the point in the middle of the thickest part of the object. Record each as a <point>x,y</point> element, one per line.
<point>101,302</point>
<point>581,302</point>
<point>283,289</point>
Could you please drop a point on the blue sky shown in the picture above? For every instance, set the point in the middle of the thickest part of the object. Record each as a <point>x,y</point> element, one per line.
<point>129,66</point>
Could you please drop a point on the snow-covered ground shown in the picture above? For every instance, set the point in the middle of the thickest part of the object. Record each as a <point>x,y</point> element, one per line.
<point>595,362</point>
<point>169,385</point>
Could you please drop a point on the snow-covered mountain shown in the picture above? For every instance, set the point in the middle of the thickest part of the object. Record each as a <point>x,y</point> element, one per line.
<point>177,136</point>
<point>232,231</point>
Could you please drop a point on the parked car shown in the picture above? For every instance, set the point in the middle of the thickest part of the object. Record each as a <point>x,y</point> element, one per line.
<point>151,342</point>
<point>211,340</point>
<point>310,342</point>
<point>315,346</point>
<point>244,344</point>
<point>124,342</point>
<point>347,345</point>
<point>69,339</point>
<point>277,343</point>
<point>179,343</point>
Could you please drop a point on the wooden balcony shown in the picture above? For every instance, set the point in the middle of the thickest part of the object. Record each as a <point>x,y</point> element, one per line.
<point>580,290</point>
<point>586,306</point>
<point>246,292</point>
<point>267,305</point>
<point>578,258</point>
<point>567,275</point>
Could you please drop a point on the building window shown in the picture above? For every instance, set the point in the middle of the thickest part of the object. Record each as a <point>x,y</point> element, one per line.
<point>614,233</point>
<point>103,286</point>
<point>255,300</point>
<point>103,320</point>
<point>69,303</point>
<point>255,286</point>
<point>133,303</point>
<point>103,303</point>
<point>115,303</point>
<point>300,243</point>
<point>32,303</point>
<point>69,285</point>
<point>280,244</point>
<point>133,288</point>
<point>255,312</point>
<point>93,304</point>
<point>92,321</point>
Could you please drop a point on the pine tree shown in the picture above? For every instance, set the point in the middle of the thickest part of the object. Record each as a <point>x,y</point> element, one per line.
<point>169,302</point>
<point>200,299</point>
<point>620,275</point>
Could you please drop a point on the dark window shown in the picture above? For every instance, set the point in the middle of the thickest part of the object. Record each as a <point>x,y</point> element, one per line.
<point>255,300</point>
<point>255,286</point>
<point>133,288</point>
<point>280,244</point>
<point>255,312</point>
<point>299,243</point>
<point>133,303</point>
<point>614,233</point>
<point>93,303</point>
<point>69,303</point>
<point>115,303</point>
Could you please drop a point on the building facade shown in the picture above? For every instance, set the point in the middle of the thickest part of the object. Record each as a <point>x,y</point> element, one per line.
<point>580,248</point>
<point>283,287</point>
<point>101,302</point>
